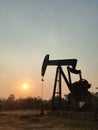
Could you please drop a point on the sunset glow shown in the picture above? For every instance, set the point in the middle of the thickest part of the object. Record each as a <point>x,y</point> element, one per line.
<point>25,86</point>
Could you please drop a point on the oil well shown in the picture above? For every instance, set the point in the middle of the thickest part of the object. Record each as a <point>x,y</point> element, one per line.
<point>79,94</point>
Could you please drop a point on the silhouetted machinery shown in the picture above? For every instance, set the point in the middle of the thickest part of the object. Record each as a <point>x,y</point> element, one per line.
<point>78,90</point>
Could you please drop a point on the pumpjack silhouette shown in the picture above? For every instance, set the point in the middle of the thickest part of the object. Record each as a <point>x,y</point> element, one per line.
<point>78,90</point>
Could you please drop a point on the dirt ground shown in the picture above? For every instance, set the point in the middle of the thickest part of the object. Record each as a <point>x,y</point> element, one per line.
<point>26,120</point>
<point>30,120</point>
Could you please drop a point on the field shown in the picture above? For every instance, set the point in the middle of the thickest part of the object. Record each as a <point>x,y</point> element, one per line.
<point>30,120</point>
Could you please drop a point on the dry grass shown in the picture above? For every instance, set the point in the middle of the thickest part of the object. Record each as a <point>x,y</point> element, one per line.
<point>30,120</point>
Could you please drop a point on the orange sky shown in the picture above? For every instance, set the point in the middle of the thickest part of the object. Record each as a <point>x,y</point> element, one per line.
<point>31,29</point>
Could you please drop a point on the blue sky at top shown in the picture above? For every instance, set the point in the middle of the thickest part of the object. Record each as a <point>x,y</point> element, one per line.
<point>29,29</point>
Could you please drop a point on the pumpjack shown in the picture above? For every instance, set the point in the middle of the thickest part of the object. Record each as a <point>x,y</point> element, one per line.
<point>78,90</point>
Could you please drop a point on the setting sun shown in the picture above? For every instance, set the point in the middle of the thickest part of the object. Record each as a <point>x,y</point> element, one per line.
<point>25,86</point>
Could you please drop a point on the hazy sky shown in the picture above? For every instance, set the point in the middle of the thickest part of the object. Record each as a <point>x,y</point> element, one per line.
<point>30,29</point>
